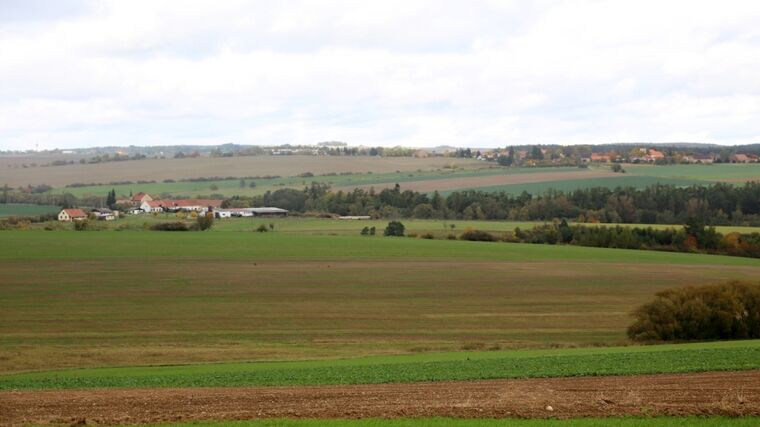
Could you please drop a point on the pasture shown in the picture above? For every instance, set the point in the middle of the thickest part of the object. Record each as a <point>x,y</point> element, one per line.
<point>116,298</point>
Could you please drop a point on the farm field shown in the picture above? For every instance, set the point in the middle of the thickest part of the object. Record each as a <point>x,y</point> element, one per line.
<point>143,298</point>
<point>715,393</point>
<point>456,422</point>
<point>452,366</point>
<point>467,176</point>
<point>323,226</point>
<point>717,172</point>
<point>161,169</point>
<point>23,209</point>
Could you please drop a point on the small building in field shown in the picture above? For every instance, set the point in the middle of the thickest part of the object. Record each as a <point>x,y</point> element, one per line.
<point>355,217</point>
<point>69,215</point>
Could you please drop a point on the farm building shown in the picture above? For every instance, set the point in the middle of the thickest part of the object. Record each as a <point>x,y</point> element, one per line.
<point>250,212</point>
<point>183,205</point>
<point>72,215</point>
<point>105,214</point>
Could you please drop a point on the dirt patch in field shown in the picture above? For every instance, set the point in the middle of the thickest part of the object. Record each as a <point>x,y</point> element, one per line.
<point>716,393</point>
<point>485,181</point>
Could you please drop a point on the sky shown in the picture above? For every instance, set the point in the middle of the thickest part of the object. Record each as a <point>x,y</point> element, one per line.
<point>477,73</point>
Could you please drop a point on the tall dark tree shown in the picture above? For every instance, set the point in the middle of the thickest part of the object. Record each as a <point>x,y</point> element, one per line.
<point>111,199</point>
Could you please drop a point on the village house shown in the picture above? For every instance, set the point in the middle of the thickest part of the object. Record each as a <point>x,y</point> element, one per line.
<point>654,155</point>
<point>699,158</point>
<point>139,198</point>
<point>105,214</point>
<point>69,215</point>
<point>601,157</point>
<point>740,158</point>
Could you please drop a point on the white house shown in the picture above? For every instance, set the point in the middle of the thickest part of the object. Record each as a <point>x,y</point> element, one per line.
<point>72,215</point>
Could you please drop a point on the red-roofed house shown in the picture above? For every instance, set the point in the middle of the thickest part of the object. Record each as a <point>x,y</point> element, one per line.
<point>600,157</point>
<point>654,155</point>
<point>139,198</point>
<point>72,215</point>
<point>740,158</point>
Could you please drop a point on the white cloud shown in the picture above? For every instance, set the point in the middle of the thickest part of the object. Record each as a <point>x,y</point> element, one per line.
<point>482,73</point>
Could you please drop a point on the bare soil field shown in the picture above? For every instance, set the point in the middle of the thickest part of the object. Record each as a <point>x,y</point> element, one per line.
<point>712,393</point>
<point>160,169</point>
<point>491,180</point>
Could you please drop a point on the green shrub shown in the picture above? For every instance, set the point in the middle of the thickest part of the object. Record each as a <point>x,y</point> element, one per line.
<point>477,236</point>
<point>205,222</point>
<point>170,226</point>
<point>82,225</point>
<point>726,311</point>
<point>262,228</point>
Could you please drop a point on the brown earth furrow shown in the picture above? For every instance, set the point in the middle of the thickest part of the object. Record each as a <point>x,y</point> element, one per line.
<point>714,393</point>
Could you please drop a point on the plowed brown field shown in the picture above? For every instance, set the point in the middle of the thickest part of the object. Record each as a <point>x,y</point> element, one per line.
<point>716,393</point>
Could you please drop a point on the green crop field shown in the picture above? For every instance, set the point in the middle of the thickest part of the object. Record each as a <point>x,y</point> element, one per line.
<point>116,298</point>
<point>459,366</point>
<point>716,172</point>
<point>22,209</point>
<point>452,422</point>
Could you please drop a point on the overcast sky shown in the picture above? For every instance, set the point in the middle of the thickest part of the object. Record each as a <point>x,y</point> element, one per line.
<point>413,73</point>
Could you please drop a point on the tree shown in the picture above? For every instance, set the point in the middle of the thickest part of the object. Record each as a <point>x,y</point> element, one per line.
<point>395,229</point>
<point>111,199</point>
<point>6,190</point>
<point>205,222</point>
<point>365,231</point>
<point>242,183</point>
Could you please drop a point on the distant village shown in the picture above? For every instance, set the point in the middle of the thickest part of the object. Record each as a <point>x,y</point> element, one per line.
<point>517,155</point>
<point>142,203</point>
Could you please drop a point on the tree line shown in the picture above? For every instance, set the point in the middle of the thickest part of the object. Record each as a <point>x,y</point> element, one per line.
<point>716,204</point>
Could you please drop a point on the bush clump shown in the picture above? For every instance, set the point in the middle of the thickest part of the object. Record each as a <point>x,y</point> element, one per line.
<point>170,226</point>
<point>394,228</point>
<point>715,312</point>
<point>477,236</point>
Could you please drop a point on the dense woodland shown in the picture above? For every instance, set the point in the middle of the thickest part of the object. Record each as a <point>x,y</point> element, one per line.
<point>718,204</point>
